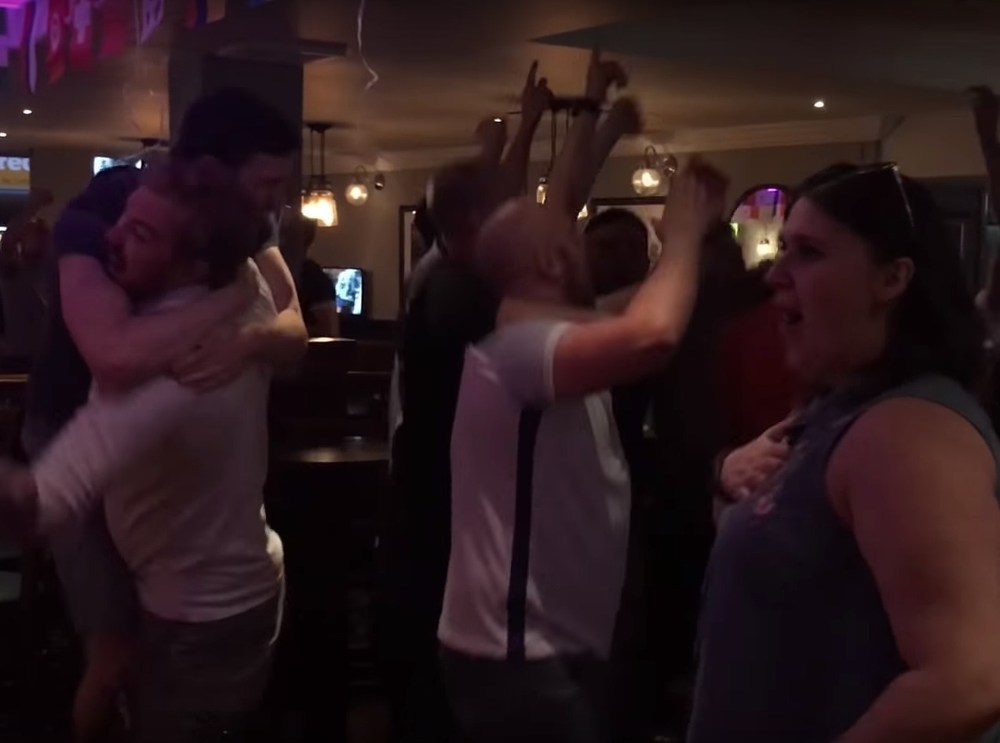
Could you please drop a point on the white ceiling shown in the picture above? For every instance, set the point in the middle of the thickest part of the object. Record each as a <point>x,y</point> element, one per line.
<point>444,64</point>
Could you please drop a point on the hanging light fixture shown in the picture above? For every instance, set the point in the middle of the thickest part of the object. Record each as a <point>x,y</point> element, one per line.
<point>765,249</point>
<point>318,201</point>
<point>320,205</point>
<point>646,180</point>
<point>542,190</point>
<point>357,189</point>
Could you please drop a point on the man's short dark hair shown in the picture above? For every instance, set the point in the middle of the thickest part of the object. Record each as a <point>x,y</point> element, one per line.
<point>616,217</point>
<point>222,229</point>
<point>463,195</point>
<point>232,125</point>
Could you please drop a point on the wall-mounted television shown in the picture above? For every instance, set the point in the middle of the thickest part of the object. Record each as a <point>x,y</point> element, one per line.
<point>350,287</point>
<point>102,163</point>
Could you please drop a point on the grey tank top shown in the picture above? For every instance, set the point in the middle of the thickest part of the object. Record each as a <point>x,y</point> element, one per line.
<point>794,644</point>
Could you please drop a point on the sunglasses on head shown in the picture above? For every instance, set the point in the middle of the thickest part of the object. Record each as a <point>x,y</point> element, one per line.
<point>888,175</point>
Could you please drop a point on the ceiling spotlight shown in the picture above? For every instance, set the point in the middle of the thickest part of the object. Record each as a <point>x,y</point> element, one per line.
<point>819,103</point>
<point>379,181</point>
<point>3,134</point>
<point>27,112</point>
<point>497,120</point>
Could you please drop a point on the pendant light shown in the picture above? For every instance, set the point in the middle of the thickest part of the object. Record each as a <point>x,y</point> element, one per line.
<point>542,189</point>
<point>647,179</point>
<point>318,201</point>
<point>357,190</point>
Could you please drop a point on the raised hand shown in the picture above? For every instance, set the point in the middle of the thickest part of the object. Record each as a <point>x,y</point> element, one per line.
<point>536,98</point>
<point>625,117</point>
<point>986,110</point>
<point>601,75</point>
<point>695,202</point>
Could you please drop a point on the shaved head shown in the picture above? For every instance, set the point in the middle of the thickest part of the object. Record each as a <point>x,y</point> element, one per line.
<point>533,252</point>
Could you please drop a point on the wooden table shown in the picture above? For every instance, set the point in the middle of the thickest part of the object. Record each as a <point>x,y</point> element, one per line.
<point>321,500</point>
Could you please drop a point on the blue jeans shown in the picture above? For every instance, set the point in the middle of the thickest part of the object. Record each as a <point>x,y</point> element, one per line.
<point>202,682</point>
<point>97,584</point>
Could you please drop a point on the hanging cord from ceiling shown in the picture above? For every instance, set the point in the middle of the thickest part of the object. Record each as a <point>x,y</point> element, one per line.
<point>361,46</point>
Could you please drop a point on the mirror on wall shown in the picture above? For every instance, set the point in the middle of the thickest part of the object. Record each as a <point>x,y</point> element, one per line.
<point>757,219</point>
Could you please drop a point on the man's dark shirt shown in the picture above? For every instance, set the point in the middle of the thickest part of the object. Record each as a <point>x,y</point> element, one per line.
<point>60,379</point>
<point>314,288</point>
<point>452,309</point>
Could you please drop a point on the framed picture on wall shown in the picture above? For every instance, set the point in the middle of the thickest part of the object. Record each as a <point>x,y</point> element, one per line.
<point>406,214</point>
<point>648,208</point>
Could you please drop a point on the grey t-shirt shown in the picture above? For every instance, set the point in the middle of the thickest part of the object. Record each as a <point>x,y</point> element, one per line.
<point>540,507</point>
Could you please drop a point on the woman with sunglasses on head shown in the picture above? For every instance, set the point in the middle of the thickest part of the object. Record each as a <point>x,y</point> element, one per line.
<point>855,596</point>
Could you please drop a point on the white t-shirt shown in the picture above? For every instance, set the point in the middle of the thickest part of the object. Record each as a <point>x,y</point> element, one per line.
<point>182,477</point>
<point>540,508</point>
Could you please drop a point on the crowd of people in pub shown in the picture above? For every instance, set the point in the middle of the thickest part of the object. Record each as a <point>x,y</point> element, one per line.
<point>812,535</point>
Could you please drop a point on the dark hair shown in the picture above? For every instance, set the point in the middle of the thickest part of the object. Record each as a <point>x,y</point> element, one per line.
<point>463,195</point>
<point>83,225</point>
<point>616,217</point>
<point>232,125</point>
<point>424,224</point>
<point>723,269</point>
<point>935,328</point>
<point>222,228</point>
<point>106,194</point>
<point>619,257</point>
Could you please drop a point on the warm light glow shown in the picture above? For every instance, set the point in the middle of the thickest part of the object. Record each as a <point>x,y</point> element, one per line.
<point>584,213</point>
<point>819,103</point>
<point>765,249</point>
<point>542,191</point>
<point>321,206</point>
<point>3,134</point>
<point>27,112</point>
<point>357,194</point>
<point>646,181</point>
<point>497,120</point>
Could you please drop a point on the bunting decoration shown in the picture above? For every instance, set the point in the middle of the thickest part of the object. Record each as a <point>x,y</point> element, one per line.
<point>58,40</point>
<point>202,12</point>
<point>150,18</point>
<point>48,38</point>
<point>81,35</point>
<point>113,23</point>
<point>27,50</point>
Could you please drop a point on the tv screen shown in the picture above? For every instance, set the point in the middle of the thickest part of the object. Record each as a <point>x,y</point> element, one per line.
<point>349,287</point>
<point>101,163</point>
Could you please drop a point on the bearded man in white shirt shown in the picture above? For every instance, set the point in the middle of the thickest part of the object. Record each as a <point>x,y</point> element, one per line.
<point>181,473</point>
